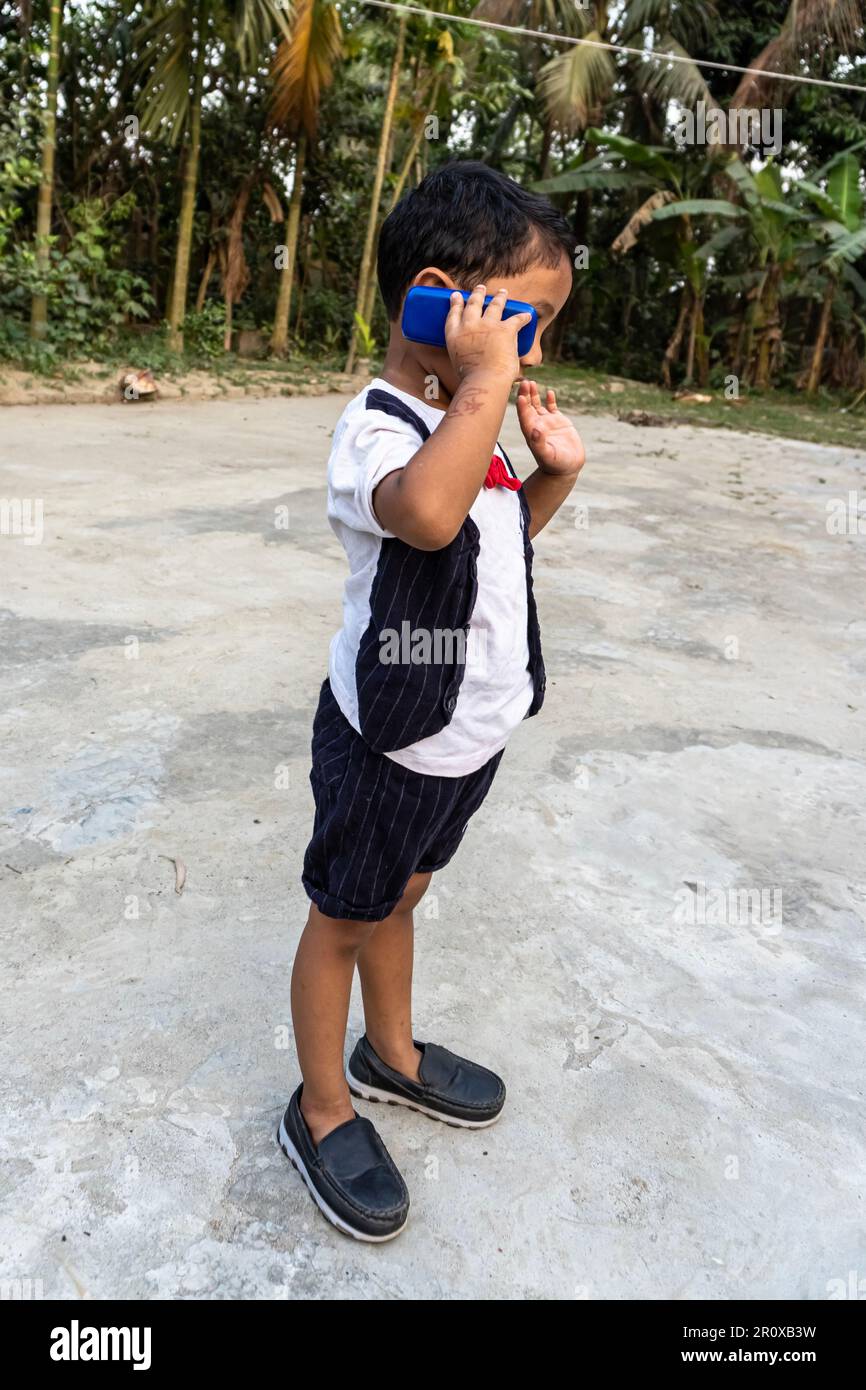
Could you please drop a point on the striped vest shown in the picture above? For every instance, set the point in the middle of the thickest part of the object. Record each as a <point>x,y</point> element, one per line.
<point>434,591</point>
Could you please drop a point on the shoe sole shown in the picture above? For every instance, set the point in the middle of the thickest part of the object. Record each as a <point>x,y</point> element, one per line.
<point>340,1222</point>
<point>375,1094</point>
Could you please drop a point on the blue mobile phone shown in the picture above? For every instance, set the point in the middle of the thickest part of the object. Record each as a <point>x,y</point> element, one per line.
<point>426,309</point>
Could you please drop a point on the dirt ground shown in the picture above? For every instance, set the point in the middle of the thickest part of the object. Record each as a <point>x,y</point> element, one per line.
<point>96,383</point>
<point>654,930</point>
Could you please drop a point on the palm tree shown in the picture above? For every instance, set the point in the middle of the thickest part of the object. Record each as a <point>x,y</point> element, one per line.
<point>39,302</point>
<point>176,40</point>
<point>303,68</point>
<point>435,57</point>
<point>437,46</point>
<point>368,253</point>
<point>577,84</point>
<point>830,26</point>
<point>558,17</point>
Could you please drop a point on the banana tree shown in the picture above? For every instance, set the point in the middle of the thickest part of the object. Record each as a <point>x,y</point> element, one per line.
<point>772,231</point>
<point>840,241</point>
<point>667,180</point>
<point>775,231</point>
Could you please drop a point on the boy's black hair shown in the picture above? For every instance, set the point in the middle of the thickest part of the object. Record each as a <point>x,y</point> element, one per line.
<point>472,222</point>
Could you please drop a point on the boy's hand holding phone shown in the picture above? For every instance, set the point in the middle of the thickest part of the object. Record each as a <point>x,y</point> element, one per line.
<point>479,340</point>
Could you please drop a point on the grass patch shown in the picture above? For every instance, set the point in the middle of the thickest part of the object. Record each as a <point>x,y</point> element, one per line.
<point>787,415</point>
<point>822,420</point>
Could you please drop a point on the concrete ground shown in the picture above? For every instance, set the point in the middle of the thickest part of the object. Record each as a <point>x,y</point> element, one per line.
<point>654,930</point>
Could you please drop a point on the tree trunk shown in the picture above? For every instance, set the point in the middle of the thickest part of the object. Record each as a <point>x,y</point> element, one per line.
<point>556,333</point>
<point>306,242</point>
<point>236,275</point>
<point>367,311</point>
<point>367,255</point>
<point>628,307</point>
<point>177,305</point>
<point>544,154</point>
<point>821,341</point>
<point>697,349</point>
<point>672,351</point>
<point>503,131</point>
<point>702,347</point>
<point>736,340</point>
<point>413,148</point>
<point>322,242</point>
<point>280,336</point>
<point>693,335</point>
<point>752,320</point>
<point>769,333</point>
<point>205,280</point>
<point>39,302</point>
<point>153,244</point>
<point>370,301</point>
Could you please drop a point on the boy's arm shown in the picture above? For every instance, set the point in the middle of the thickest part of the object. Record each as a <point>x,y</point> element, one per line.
<point>545,494</point>
<point>426,503</point>
<point>557,449</point>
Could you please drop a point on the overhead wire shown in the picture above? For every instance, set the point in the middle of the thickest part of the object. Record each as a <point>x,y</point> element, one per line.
<point>645,53</point>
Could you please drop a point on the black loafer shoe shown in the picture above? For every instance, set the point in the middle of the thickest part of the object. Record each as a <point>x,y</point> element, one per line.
<point>451,1089</point>
<point>351,1176</point>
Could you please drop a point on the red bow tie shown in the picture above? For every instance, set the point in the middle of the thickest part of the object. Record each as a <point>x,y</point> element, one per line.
<point>499,476</point>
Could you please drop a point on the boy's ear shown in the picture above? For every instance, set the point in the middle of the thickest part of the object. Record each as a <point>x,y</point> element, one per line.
<point>432,276</point>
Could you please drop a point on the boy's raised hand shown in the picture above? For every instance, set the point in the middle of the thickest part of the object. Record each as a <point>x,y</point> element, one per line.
<point>554,443</point>
<point>479,340</point>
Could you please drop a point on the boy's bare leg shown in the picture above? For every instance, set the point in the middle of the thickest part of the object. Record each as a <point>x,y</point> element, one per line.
<point>325,961</point>
<point>321,987</point>
<point>385,967</point>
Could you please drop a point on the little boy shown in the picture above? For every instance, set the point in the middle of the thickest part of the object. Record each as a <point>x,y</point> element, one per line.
<point>412,721</point>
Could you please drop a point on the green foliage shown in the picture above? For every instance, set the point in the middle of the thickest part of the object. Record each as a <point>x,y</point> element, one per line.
<point>204,331</point>
<point>324,326</point>
<point>90,293</point>
<point>365,338</point>
<point>697,207</point>
<point>751,252</point>
<point>17,174</point>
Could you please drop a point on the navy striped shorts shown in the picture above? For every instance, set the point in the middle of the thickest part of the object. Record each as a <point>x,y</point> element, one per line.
<point>377,822</point>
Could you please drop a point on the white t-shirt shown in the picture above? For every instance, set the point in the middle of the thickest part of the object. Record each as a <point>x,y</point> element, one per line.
<point>496,690</point>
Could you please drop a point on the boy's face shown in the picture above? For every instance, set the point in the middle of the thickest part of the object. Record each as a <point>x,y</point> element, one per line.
<point>545,287</point>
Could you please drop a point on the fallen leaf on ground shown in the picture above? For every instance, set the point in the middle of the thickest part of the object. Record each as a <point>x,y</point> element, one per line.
<point>179,872</point>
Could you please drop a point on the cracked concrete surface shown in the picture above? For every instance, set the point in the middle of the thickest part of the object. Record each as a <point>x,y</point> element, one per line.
<point>684,1062</point>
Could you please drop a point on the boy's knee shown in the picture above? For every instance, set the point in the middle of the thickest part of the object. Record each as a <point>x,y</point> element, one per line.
<point>413,892</point>
<point>347,936</point>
